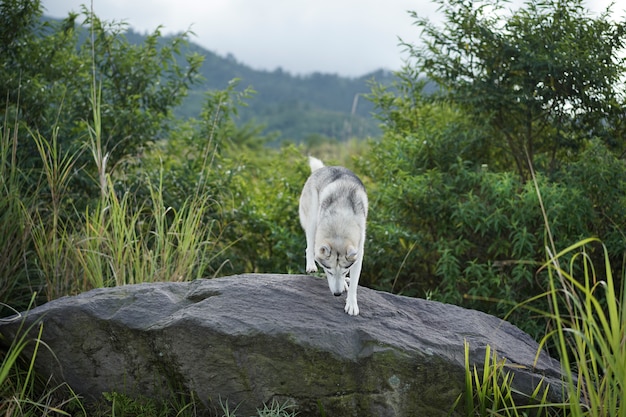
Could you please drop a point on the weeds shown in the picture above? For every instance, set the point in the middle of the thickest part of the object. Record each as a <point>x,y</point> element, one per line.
<point>275,409</point>
<point>127,242</point>
<point>22,391</point>
<point>588,324</point>
<point>489,391</point>
<point>590,334</point>
<point>16,231</point>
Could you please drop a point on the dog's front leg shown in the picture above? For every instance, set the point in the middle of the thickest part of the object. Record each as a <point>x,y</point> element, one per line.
<point>311,267</point>
<point>352,307</point>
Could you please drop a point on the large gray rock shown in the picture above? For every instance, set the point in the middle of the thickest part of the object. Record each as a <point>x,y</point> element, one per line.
<point>253,338</point>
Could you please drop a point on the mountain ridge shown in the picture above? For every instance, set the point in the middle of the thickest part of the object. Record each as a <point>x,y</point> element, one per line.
<point>290,107</point>
<point>298,108</point>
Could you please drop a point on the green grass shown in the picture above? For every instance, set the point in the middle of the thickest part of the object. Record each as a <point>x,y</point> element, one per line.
<point>489,391</point>
<point>22,392</point>
<point>124,241</point>
<point>118,240</point>
<point>15,208</point>
<point>274,409</point>
<point>589,323</point>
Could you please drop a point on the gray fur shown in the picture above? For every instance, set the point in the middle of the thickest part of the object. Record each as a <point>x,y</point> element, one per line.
<point>333,212</point>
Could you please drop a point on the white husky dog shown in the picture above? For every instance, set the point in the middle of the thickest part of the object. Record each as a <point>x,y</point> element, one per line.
<point>333,210</point>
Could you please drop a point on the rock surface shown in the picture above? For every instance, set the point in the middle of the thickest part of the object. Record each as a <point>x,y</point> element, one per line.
<point>254,338</point>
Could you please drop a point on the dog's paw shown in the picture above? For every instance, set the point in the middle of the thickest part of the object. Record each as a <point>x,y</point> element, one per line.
<point>352,308</point>
<point>311,268</point>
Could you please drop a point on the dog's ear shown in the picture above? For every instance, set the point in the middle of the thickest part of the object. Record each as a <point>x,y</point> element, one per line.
<point>324,251</point>
<point>352,253</point>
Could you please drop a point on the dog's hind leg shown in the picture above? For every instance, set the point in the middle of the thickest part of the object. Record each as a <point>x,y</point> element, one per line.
<point>308,220</point>
<point>310,249</point>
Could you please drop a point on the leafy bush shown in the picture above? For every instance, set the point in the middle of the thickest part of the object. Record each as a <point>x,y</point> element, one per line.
<point>47,84</point>
<point>446,225</point>
<point>453,215</point>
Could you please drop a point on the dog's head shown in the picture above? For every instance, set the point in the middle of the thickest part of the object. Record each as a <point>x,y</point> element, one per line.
<point>336,261</point>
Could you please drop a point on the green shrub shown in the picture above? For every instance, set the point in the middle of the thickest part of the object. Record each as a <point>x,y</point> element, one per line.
<point>461,233</point>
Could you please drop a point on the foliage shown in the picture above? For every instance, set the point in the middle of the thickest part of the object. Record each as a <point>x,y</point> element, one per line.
<point>125,241</point>
<point>599,175</point>
<point>471,236</point>
<point>465,227</point>
<point>467,235</point>
<point>262,218</point>
<point>124,238</point>
<point>99,185</point>
<point>120,405</point>
<point>15,208</point>
<point>139,84</point>
<point>275,409</point>
<point>587,324</point>
<point>47,81</point>
<point>533,77</point>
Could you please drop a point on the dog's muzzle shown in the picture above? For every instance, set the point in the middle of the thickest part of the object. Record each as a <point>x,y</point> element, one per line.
<point>336,294</point>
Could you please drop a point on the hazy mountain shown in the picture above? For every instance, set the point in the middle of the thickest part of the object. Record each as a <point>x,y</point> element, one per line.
<point>296,107</point>
<point>310,107</point>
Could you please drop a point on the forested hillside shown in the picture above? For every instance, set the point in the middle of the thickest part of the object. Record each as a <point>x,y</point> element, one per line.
<point>298,108</point>
<point>313,107</point>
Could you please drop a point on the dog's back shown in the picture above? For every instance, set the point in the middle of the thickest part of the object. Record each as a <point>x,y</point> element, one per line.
<point>337,186</point>
<point>339,189</point>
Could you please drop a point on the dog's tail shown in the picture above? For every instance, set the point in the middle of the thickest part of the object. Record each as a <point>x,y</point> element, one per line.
<point>315,163</point>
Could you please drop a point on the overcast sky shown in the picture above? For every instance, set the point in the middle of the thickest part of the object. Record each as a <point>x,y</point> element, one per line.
<point>346,37</point>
